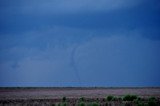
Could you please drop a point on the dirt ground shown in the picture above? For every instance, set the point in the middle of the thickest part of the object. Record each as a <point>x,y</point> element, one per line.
<point>53,96</point>
<point>53,93</point>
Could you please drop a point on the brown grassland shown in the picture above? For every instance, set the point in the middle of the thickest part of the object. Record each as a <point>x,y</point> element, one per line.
<point>80,96</point>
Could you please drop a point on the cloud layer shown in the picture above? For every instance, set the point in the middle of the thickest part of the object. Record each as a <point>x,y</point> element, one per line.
<point>103,60</point>
<point>69,6</point>
<point>79,43</point>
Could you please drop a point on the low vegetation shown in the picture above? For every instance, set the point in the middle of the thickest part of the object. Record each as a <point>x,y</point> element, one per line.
<point>129,97</point>
<point>110,100</point>
<point>64,99</point>
<point>82,99</point>
<point>126,100</point>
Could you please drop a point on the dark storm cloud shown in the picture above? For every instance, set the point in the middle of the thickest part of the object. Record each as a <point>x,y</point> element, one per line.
<point>104,14</point>
<point>79,43</point>
<point>19,17</point>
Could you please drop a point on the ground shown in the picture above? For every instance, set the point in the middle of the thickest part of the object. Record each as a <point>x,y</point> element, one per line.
<point>49,96</point>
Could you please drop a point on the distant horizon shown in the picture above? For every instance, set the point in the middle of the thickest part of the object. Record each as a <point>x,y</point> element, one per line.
<point>79,86</point>
<point>69,87</point>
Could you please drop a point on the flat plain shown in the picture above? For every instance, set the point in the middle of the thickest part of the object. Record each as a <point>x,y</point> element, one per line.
<point>55,94</point>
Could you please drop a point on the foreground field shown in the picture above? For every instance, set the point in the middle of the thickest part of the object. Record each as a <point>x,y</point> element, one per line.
<point>78,96</point>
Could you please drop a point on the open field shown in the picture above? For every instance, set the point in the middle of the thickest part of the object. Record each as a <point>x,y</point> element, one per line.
<point>51,96</point>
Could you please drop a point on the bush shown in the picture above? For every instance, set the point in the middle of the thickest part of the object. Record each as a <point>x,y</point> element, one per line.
<point>133,97</point>
<point>82,99</point>
<point>110,98</point>
<point>139,99</point>
<point>129,97</point>
<point>152,101</point>
<point>115,99</point>
<point>97,99</point>
<point>53,105</point>
<point>64,99</point>
<point>119,99</point>
<point>106,104</point>
<point>81,104</point>
<point>95,104</point>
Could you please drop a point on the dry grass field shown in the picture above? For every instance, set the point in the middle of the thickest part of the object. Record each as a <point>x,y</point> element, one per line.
<point>77,96</point>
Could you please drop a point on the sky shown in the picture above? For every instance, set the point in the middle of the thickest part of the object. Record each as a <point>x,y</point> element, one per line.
<point>87,43</point>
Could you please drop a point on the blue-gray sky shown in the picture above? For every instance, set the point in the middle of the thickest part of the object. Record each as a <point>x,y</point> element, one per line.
<point>79,43</point>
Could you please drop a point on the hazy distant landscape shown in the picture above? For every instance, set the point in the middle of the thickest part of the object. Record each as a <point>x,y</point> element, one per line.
<point>80,96</point>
